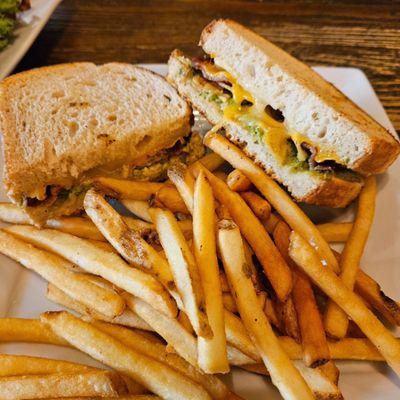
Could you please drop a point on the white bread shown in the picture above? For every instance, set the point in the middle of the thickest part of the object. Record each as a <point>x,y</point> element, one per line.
<point>310,105</point>
<point>310,187</point>
<point>62,122</point>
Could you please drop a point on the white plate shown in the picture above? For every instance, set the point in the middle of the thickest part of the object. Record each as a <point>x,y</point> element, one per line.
<point>29,25</point>
<point>22,293</point>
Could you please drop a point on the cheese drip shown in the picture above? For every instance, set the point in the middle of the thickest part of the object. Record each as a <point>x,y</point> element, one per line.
<point>253,116</point>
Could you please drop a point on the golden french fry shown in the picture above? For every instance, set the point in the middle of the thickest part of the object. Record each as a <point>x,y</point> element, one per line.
<point>93,383</point>
<point>275,195</point>
<point>183,180</point>
<point>271,223</point>
<point>288,318</point>
<point>13,214</point>
<point>184,269</point>
<point>238,181</point>
<point>99,262</point>
<point>28,330</point>
<point>127,318</point>
<point>140,208</point>
<point>313,337</point>
<point>283,373</point>
<point>11,365</point>
<point>335,231</point>
<point>331,371</point>
<point>372,293</point>
<point>229,302</point>
<point>157,350</point>
<point>58,271</point>
<point>170,198</point>
<point>320,381</point>
<point>238,337</point>
<point>273,264</point>
<point>306,258</point>
<point>336,320</point>
<point>127,242</point>
<point>272,314</point>
<point>223,282</point>
<point>133,190</point>
<point>168,328</point>
<point>184,320</point>
<point>211,161</point>
<point>260,207</point>
<point>77,226</point>
<point>157,377</point>
<point>237,358</point>
<point>255,275</point>
<point>211,351</point>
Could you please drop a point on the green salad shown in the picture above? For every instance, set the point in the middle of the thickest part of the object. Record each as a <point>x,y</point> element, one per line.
<point>8,16</point>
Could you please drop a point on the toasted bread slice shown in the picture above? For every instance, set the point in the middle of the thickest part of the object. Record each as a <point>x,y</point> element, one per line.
<point>310,105</point>
<point>65,122</point>
<point>304,185</point>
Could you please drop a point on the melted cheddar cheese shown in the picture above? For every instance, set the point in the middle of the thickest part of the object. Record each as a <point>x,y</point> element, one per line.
<point>254,117</point>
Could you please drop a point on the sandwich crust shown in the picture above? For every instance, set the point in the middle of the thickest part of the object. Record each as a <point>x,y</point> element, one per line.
<point>310,105</point>
<point>61,123</point>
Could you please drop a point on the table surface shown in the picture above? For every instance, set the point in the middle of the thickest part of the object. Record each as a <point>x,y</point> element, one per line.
<point>362,34</point>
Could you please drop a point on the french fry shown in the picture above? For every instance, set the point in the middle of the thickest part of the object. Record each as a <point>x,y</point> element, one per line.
<point>28,330</point>
<point>99,262</point>
<point>101,245</point>
<point>238,337</point>
<point>372,293</point>
<point>224,282</point>
<point>260,207</point>
<point>127,318</point>
<point>255,276</point>
<point>271,223</point>
<point>335,231</point>
<point>157,377</point>
<point>274,266</point>
<point>211,351</point>
<point>140,208</point>
<point>306,258</point>
<point>211,161</point>
<point>275,195</point>
<point>58,271</point>
<point>313,337</point>
<point>336,320</point>
<point>127,189</point>
<point>283,373</point>
<point>11,365</point>
<point>184,320</point>
<point>127,242</point>
<point>184,269</point>
<point>288,318</point>
<point>157,350</point>
<point>319,381</point>
<point>94,383</point>
<point>183,180</point>
<point>331,371</point>
<point>78,226</point>
<point>229,302</point>
<point>170,198</point>
<point>238,182</point>
<point>168,328</point>
<point>272,314</point>
<point>237,358</point>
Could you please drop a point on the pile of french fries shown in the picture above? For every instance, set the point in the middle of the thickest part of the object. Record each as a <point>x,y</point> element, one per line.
<point>214,271</point>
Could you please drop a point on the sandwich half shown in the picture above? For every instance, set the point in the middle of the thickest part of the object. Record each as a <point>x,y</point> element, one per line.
<point>298,127</point>
<point>65,124</point>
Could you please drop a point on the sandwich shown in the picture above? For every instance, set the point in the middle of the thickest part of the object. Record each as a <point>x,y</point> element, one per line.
<point>305,133</point>
<point>66,124</point>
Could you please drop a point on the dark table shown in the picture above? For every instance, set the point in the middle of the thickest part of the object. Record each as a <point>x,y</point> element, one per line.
<point>362,34</point>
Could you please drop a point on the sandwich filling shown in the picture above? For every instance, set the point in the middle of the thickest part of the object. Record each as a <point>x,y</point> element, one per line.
<point>267,125</point>
<point>70,199</point>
